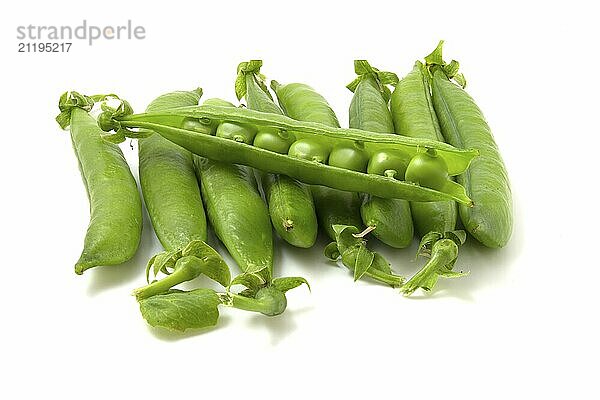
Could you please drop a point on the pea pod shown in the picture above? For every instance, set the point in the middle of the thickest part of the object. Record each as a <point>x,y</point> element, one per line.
<point>463,125</point>
<point>238,214</point>
<point>338,211</point>
<point>114,232</point>
<point>369,111</point>
<point>172,198</point>
<point>169,184</point>
<point>413,115</point>
<point>303,103</point>
<point>170,124</point>
<point>290,202</point>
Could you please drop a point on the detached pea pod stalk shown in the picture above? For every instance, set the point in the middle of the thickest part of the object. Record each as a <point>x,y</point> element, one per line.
<point>463,125</point>
<point>191,128</point>
<point>115,228</point>
<point>290,202</point>
<point>442,250</point>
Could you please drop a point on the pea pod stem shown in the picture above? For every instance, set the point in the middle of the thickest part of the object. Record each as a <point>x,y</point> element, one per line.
<point>186,269</point>
<point>443,255</point>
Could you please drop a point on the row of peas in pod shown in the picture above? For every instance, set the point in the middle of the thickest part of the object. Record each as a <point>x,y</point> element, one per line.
<point>418,157</point>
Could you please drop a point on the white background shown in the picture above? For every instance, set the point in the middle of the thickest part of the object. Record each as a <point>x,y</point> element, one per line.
<point>523,324</point>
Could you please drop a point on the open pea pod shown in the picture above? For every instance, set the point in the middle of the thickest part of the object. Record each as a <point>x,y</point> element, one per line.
<point>457,159</point>
<point>192,128</point>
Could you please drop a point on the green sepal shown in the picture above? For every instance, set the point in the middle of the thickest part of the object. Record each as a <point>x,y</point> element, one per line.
<point>67,102</point>
<point>179,310</point>
<point>182,265</point>
<point>245,68</point>
<point>364,261</point>
<point>252,282</point>
<point>435,61</point>
<point>363,69</point>
<point>289,282</point>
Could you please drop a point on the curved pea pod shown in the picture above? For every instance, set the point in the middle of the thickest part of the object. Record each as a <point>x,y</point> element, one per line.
<point>237,214</point>
<point>333,206</point>
<point>169,184</point>
<point>369,111</point>
<point>290,202</point>
<point>490,220</point>
<point>115,228</point>
<point>414,116</point>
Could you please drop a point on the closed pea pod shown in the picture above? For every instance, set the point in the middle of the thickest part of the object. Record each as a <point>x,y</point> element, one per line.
<point>290,202</point>
<point>169,184</point>
<point>237,213</point>
<point>463,125</point>
<point>413,116</point>
<point>172,197</point>
<point>114,232</point>
<point>369,111</point>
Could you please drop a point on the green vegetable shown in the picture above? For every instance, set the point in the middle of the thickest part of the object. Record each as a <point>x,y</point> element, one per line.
<point>414,116</point>
<point>427,169</point>
<point>490,220</point>
<point>113,234</point>
<point>290,202</point>
<point>237,214</point>
<point>168,124</point>
<point>335,207</point>
<point>168,181</point>
<point>369,111</point>
<point>172,197</point>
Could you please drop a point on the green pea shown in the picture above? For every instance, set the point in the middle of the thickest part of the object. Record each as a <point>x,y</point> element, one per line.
<point>309,150</point>
<point>349,157</point>
<point>239,133</point>
<point>193,124</point>
<point>427,169</point>
<point>275,141</point>
<point>388,163</point>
